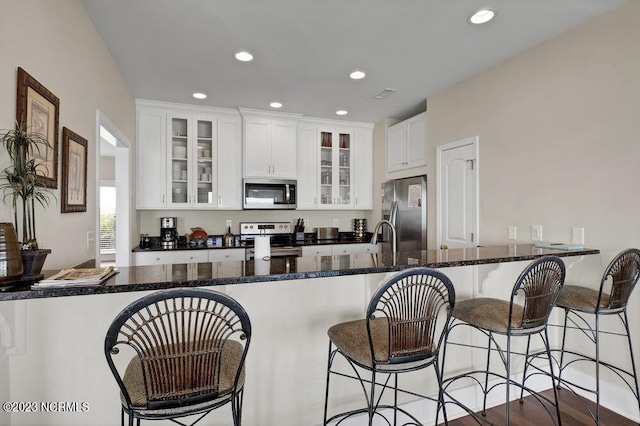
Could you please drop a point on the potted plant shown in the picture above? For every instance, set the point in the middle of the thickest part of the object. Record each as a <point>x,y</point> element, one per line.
<point>22,188</point>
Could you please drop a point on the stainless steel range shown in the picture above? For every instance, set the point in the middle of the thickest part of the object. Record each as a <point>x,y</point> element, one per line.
<point>282,238</point>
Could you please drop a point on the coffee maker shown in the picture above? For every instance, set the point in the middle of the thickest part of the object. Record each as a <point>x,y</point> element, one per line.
<point>169,232</point>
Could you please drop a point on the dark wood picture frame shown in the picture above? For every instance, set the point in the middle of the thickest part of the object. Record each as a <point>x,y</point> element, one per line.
<point>40,110</point>
<point>74,172</point>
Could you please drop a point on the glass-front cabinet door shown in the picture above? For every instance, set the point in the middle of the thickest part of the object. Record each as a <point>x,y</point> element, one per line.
<point>192,153</point>
<point>335,168</point>
<point>205,174</point>
<point>180,161</point>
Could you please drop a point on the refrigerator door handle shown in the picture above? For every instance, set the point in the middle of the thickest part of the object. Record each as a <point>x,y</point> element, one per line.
<point>394,212</point>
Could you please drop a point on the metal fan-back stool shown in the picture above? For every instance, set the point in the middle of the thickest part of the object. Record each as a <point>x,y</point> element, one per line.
<point>188,351</point>
<point>538,286</point>
<point>402,332</point>
<point>618,281</point>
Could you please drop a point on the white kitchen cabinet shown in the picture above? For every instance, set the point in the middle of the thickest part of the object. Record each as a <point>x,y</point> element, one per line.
<point>318,250</point>
<point>188,157</point>
<point>407,144</point>
<point>335,165</point>
<point>221,255</point>
<point>356,248</point>
<point>363,170</point>
<point>170,257</point>
<point>307,168</point>
<point>152,155</point>
<point>269,144</point>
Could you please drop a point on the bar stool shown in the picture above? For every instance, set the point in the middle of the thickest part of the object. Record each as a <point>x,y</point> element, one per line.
<point>403,330</point>
<point>188,349</point>
<point>618,281</point>
<point>539,284</point>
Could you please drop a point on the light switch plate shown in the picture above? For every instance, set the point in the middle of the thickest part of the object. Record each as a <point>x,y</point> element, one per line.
<point>512,233</point>
<point>577,235</point>
<point>536,232</point>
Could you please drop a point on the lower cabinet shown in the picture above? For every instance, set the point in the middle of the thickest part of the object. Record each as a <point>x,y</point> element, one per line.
<point>222,255</point>
<point>359,248</point>
<point>334,256</point>
<point>170,257</point>
<point>187,256</point>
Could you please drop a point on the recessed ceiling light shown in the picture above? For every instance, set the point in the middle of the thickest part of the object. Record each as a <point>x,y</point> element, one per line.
<point>357,75</point>
<point>275,105</point>
<point>199,95</point>
<point>341,112</point>
<point>482,16</point>
<point>244,56</point>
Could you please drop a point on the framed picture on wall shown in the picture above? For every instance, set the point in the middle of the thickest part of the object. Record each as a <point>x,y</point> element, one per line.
<point>74,172</point>
<point>39,109</point>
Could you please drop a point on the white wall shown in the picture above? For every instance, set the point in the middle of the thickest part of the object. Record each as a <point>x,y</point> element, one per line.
<point>58,45</point>
<point>559,133</point>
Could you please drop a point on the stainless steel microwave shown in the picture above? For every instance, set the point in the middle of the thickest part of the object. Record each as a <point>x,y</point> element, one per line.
<point>268,194</point>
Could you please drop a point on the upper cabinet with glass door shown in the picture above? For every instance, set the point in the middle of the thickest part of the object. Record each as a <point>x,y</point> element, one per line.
<point>335,168</point>
<point>192,150</point>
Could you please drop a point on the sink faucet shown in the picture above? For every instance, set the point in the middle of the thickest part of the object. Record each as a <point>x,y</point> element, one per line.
<point>394,242</point>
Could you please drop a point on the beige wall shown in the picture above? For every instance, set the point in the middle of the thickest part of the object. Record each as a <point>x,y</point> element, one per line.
<point>57,44</point>
<point>559,130</point>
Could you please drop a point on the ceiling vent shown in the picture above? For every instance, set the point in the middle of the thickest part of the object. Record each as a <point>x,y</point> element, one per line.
<point>385,93</point>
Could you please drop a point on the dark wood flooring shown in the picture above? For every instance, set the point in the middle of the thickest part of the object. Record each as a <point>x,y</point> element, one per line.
<point>531,413</point>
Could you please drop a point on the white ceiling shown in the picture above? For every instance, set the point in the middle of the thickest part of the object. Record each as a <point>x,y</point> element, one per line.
<point>304,50</point>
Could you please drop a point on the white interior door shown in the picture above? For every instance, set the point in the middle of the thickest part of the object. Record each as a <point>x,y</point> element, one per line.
<point>458,194</point>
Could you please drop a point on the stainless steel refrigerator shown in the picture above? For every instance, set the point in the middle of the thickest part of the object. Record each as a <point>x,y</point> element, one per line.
<point>404,203</point>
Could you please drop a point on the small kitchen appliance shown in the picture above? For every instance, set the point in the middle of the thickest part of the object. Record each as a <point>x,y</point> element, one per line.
<point>282,238</point>
<point>169,232</point>
<point>269,194</point>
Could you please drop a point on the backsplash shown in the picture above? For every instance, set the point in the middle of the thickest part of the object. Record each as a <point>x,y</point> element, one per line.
<point>214,222</point>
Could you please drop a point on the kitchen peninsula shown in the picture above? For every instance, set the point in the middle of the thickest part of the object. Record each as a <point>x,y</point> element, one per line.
<point>159,277</point>
<point>291,302</point>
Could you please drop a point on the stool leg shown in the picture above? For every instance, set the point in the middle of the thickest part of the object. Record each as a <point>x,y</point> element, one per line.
<point>372,397</point>
<point>633,362</point>
<point>564,336</point>
<point>597,338</point>
<point>508,368</point>
<point>524,373</point>
<point>486,378</point>
<point>326,393</point>
<point>440,394</point>
<point>553,384</point>
<point>395,400</point>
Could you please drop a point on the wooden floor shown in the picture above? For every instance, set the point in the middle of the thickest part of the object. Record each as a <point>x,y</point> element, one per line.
<point>531,413</point>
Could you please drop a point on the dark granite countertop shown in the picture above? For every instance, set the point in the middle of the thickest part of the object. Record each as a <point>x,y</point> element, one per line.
<point>157,277</point>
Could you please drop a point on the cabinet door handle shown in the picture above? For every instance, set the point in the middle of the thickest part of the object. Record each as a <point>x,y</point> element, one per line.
<point>315,200</point>
<point>219,199</point>
<point>162,198</point>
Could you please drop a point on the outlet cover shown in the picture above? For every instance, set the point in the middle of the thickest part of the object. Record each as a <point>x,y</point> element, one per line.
<point>229,223</point>
<point>512,233</point>
<point>336,223</point>
<point>536,232</point>
<point>577,235</point>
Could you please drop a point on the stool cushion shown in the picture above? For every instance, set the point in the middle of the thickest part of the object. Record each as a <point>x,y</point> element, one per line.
<point>353,341</point>
<point>231,358</point>
<point>488,313</point>
<point>580,298</point>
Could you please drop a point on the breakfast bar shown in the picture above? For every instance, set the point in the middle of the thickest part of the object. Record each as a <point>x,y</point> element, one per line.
<point>53,342</point>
